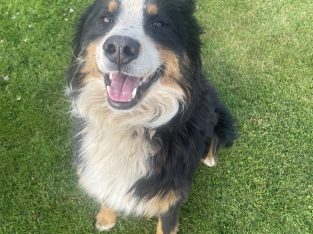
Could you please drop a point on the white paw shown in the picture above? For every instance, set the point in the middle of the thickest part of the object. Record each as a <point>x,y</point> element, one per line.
<point>210,161</point>
<point>104,228</point>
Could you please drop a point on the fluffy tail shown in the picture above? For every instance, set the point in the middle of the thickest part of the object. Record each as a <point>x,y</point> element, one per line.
<point>225,129</point>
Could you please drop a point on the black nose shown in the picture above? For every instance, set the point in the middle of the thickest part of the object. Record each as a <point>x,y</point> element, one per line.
<point>121,50</point>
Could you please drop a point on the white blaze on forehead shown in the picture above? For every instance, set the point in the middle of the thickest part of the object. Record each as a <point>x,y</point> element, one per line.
<point>130,23</point>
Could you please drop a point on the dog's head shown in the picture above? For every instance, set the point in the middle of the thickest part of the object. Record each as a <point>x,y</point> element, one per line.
<point>137,54</point>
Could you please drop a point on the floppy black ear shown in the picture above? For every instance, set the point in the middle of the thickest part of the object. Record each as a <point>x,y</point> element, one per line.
<point>73,73</point>
<point>192,31</point>
<point>80,27</point>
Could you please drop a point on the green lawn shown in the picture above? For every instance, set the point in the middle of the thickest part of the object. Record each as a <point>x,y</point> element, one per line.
<point>260,56</point>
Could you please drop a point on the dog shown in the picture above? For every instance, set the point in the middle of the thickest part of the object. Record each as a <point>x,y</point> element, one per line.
<point>144,112</point>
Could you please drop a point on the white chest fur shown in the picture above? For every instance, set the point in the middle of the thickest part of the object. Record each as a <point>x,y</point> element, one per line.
<point>113,160</point>
<point>113,157</point>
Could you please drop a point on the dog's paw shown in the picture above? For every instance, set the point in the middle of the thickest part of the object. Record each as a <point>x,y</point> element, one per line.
<point>104,227</point>
<point>106,220</point>
<point>210,161</point>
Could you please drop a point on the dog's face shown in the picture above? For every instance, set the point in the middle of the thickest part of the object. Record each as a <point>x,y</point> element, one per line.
<point>127,54</point>
<point>140,49</point>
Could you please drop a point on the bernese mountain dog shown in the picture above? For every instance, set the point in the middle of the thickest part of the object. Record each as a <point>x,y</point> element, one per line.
<point>145,114</point>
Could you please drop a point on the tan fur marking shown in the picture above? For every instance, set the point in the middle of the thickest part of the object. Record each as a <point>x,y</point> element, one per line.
<point>152,9</point>
<point>211,158</point>
<point>160,230</point>
<point>173,72</point>
<point>175,230</point>
<point>172,69</point>
<point>160,206</point>
<point>89,61</point>
<point>171,62</point>
<point>159,227</point>
<point>113,5</point>
<point>106,218</point>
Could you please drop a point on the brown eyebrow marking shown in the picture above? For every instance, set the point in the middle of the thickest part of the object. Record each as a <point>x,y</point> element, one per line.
<point>152,9</point>
<point>113,6</point>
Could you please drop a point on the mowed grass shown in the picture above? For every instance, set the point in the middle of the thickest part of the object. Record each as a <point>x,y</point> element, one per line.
<point>259,55</point>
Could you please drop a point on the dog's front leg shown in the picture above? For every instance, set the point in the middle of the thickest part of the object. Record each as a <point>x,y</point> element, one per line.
<point>168,222</point>
<point>106,219</point>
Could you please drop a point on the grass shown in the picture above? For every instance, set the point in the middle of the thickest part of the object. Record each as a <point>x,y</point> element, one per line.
<point>260,56</point>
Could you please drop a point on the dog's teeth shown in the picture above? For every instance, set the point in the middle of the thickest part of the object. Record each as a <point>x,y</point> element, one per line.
<point>108,88</point>
<point>134,93</point>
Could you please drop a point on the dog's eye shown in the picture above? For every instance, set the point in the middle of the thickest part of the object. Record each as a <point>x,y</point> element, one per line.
<point>158,24</point>
<point>107,19</point>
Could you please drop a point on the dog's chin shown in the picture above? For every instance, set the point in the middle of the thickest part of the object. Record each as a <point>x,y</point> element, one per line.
<point>125,91</point>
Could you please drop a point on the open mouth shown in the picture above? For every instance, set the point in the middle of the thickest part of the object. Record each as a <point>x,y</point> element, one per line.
<point>125,91</point>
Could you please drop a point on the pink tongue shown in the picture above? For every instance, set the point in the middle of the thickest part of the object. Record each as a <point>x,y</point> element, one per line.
<point>122,87</point>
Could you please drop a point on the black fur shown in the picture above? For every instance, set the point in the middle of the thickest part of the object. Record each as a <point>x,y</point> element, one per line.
<point>181,32</point>
<point>186,139</point>
<point>169,220</point>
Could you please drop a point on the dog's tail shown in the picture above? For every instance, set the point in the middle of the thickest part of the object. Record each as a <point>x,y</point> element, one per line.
<point>225,129</point>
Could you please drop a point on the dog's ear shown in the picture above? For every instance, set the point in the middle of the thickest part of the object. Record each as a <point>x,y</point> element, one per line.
<point>80,27</point>
<point>189,28</point>
<point>72,72</point>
